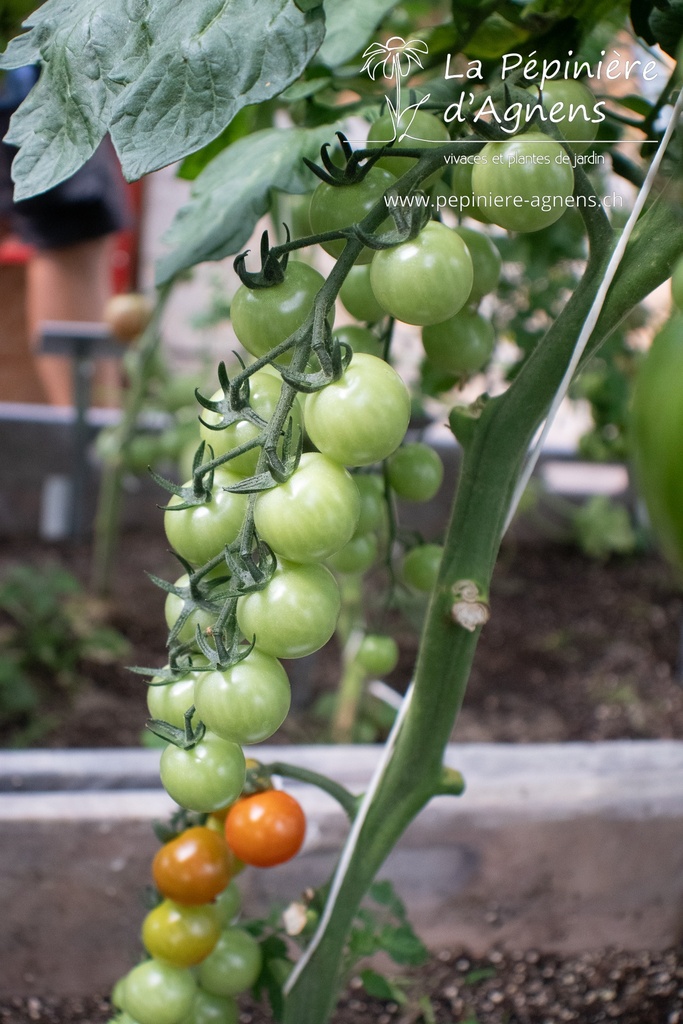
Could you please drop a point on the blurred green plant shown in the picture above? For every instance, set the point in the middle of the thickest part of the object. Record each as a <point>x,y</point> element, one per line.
<point>49,630</point>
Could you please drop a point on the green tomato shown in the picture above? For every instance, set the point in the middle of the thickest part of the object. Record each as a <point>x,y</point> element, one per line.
<point>311,515</point>
<point>461,186</point>
<point>201,617</point>
<point>202,531</point>
<point>168,702</point>
<point>359,338</point>
<point>361,418</point>
<point>378,654</point>
<point>233,966</point>
<point>372,504</point>
<point>158,993</point>
<point>525,183</point>
<point>228,904</point>
<point>209,1009</point>
<point>247,702</point>
<point>486,262</point>
<point>339,206</point>
<point>358,297</point>
<point>461,345</point>
<point>357,556</point>
<point>264,317</point>
<point>425,280</point>
<point>421,566</point>
<point>207,776</point>
<point>264,394</point>
<point>677,284</point>
<point>415,472</point>
<point>295,614</point>
<point>571,107</point>
<point>416,129</point>
<point>180,935</point>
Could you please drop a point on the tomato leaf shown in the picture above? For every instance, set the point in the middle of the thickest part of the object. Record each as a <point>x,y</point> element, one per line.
<point>379,987</point>
<point>232,192</point>
<point>164,78</point>
<point>350,24</point>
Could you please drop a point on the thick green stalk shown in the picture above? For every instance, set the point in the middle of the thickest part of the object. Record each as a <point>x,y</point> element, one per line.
<point>494,450</point>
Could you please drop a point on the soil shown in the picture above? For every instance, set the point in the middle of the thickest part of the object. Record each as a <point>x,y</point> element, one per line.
<point>575,649</point>
<point>522,988</point>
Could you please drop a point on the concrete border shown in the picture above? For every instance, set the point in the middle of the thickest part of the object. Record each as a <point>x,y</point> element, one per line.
<point>565,847</point>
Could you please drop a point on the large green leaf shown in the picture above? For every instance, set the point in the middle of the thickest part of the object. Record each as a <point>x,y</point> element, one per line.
<point>350,25</point>
<point>232,193</point>
<point>207,61</point>
<point>165,77</point>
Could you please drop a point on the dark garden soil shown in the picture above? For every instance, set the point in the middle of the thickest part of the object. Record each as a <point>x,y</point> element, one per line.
<point>453,988</point>
<point>576,649</point>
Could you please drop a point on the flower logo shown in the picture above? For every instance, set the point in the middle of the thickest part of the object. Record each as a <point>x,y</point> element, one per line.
<point>396,59</point>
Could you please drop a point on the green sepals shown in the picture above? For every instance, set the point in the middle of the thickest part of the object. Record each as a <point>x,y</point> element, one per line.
<point>251,572</point>
<point>356,163</point>
<point>334,356</point>
<point>409,223</point>
<point>178,823</point>
<point>199,493</point>
<point>232,407</point>
<point>184,738</point>
<point>280,468</point>
<point>223,656</point>
<point>272,267</point>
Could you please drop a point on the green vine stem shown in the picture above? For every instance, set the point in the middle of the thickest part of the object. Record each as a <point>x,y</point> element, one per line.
<point>344,798</point>
<point>107,517</point>
<point>494,453</point>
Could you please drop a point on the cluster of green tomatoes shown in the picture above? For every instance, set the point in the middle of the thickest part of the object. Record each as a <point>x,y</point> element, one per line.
<point>325,517</point>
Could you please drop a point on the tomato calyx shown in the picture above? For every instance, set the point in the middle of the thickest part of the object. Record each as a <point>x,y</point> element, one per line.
<point>185,738</point>
<point>199,493</point>
<point>273,267</point>
<point>233,406</point>
<point>356,164</point>
<point>333,355</point>
<point>409,222</point>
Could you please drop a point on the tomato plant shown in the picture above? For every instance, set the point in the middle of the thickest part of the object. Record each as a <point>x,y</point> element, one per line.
<point>266,829</point>
<point>193,868</point>
<point>426,279</point>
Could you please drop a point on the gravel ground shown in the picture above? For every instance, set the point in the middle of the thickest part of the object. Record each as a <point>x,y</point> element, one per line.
<point>455,988</point>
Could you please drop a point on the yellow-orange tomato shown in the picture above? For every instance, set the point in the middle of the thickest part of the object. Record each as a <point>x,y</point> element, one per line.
<point>194,867</point>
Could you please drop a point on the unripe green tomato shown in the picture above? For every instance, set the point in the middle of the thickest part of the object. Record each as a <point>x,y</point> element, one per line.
<point>415,472</point>
<point>372,505</point>
<point>264,317</point>
<point>264,394</point>
<point>209,1009</point>
<point>359,338</point>
<point>461,186</point>
<point>416,129</point>
<point>657,431</point>
<point>357,556</point>
<point>206,777</point>
<point>358,297</point>
<point>247,702</point>
<point>527,181</point>
<point>201,532</point>
<point>571,108</point>
<point>168,702</point>
<point>117,994</point>
<point>677,284</point>
<point>421,566</point>
<point>228,904</point>
<point>486,262</point>
<point>180,935</point>
<point>361,418</point>
<point>378,654</point>
<point>338,206</point>
<point>233,966</point>
<point>295,614</point>
<point>460,345</point>
<point>312,514</point>
<point>426,279</point>
<point>158,993</point>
